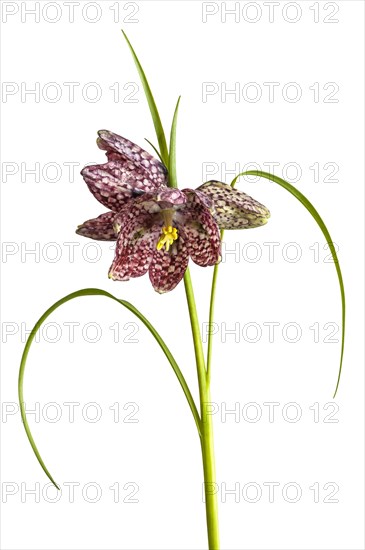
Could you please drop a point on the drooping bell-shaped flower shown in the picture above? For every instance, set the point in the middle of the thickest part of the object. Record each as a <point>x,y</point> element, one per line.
<point>157,228</point>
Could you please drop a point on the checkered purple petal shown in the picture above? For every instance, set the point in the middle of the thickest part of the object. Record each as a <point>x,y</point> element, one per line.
<point>139,230</point>
<point>168,267</point>
<point>204,243</point>
<point>116,145</point>
<point>233,209</point>
<point>116,182</point>
<point>100,228</point>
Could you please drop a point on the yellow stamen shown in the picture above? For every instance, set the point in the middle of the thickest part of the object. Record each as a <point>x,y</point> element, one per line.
<point>168,236</point>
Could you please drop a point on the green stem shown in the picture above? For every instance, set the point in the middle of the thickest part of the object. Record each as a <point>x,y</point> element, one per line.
<point>211,316</point>
<point>195,329</point>
<point>210,485</point>
<point>207,445</point>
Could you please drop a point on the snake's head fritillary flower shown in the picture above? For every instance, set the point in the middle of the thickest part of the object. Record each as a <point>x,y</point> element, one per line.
<point>158,228</point>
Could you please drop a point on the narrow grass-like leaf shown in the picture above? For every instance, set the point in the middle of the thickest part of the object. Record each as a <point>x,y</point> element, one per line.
<point>137,313</point>
<point>152,105</point>
<point>311,209</point>
<point>154,148</point>
<point>172,151</point>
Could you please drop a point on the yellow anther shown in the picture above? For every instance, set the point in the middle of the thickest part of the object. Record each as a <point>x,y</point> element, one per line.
<point>168,236</point>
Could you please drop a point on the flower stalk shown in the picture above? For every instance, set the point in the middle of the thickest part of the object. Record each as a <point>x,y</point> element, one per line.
<point>210,486</point>
<point>206,426</point>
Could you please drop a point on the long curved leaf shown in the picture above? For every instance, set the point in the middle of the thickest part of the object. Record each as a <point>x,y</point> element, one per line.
<point>172,150</point>
<point>137,313</point>
<point>152,105</point>
<point>312,210</point>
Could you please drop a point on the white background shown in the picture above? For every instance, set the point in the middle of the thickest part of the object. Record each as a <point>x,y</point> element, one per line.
<point>160,453</point>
